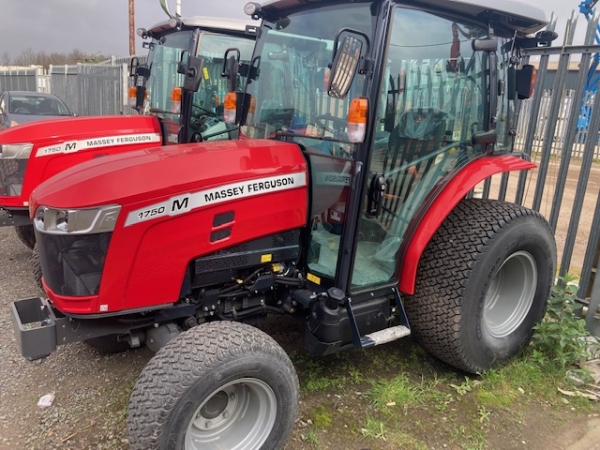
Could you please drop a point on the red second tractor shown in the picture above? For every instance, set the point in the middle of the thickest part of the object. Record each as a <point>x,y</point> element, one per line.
<point>345,203</point>
<point>175,108</point>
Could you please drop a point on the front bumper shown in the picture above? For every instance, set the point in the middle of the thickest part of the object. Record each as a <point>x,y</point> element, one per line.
<point>34,323</point>
<point>39,327</point>
<point>14,217</point>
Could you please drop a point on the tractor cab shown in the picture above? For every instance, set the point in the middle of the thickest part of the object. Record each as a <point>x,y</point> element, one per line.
<point>189,106</point>
<point>387,108</point>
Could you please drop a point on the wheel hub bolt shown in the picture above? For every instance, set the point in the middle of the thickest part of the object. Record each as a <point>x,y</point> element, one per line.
<point>225,415</point>
<point>208,423</point>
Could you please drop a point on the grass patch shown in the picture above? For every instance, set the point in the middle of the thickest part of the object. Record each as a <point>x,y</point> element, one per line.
<point>397,392</point>
<point>321,417</point>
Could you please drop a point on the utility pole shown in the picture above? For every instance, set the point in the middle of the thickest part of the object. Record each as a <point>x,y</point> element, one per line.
<point>131,28</point>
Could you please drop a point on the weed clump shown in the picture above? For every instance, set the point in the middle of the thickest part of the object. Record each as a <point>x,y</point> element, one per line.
<point>561,340</point>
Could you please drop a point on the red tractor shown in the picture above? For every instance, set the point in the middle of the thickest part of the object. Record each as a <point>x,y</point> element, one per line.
<point>345,203</point>
<point>173,112</point>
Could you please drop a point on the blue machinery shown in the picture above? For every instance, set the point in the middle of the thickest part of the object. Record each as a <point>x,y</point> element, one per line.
<point>587,8</point>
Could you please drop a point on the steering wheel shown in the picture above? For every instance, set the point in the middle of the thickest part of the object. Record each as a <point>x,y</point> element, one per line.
<point>22,111</point>
<point>203,111</point>
<point>322,119</point>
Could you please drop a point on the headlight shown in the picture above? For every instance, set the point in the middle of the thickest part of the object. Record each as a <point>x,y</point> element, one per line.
<point>76,221</point>
<point>15,151</point>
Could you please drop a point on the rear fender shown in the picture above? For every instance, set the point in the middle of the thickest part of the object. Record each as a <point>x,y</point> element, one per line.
<point>454,190</point>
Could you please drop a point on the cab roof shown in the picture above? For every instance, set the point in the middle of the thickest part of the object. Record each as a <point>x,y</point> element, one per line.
<point>215,24</point>
<point>510,16</point>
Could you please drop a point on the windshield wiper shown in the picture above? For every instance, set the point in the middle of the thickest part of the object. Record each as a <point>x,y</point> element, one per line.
<point>156,110</point>
<point>281,133</point>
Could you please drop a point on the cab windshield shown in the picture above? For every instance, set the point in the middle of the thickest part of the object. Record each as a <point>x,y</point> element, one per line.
<point>289,85</point>
<point>164,61</point>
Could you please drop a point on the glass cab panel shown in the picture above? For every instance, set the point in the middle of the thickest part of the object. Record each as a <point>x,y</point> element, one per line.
<point>163,61</point>
<point>289,101</point>
<point>432,100</point>
<point>206,116</point>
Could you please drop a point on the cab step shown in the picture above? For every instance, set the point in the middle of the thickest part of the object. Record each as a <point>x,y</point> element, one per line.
<point>381,336</point>
<point>384,336</point>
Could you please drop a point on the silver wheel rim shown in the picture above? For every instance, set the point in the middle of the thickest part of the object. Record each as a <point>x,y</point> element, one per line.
<point>238,415</point>
<point>509,298</point>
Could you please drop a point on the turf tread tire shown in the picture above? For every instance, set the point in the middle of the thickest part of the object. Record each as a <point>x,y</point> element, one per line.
<point>36,266</point>
<point>108,345</point>
<point>26,235</point>
<point>438,310</point>
<point>198,354</point>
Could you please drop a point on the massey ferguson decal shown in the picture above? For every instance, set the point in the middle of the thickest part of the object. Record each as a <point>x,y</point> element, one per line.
<point>106,141</point>
<point>186,202</point>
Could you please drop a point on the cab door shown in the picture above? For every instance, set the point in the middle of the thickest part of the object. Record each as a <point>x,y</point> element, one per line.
<point>431,101</point>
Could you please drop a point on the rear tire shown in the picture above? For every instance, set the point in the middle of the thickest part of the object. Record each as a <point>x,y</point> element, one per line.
<point>218,385</point>
<point>482,284</point>
<point>26,235</point>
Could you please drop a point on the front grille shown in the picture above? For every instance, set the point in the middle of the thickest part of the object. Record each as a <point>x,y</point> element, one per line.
<point>72,265</point>
<point>12,172</point>
<point>82,270</point>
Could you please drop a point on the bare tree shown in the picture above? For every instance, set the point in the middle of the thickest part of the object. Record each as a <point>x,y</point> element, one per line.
<point>5,59</point>
<point>28,57</point>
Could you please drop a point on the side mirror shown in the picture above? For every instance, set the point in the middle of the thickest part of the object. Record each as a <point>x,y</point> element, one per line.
<point>193,74</point>
<point>525,81</point>
<point>183,62</point>
<point>343,68</point>
<point>133,66</point>
<point>231,66</point>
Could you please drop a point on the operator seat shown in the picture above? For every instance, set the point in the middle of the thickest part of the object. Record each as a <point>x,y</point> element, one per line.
<point>419,132</point>
<point>411,167</point>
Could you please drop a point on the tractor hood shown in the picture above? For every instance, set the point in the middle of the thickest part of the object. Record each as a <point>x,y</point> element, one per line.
<point>146,176</point>
<point>32,153</point>
<point>74,134</point>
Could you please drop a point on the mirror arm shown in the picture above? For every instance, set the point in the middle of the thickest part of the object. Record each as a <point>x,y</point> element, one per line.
<point>366,65</point>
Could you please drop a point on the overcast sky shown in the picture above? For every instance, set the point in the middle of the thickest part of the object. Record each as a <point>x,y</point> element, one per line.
<point>101,26</point>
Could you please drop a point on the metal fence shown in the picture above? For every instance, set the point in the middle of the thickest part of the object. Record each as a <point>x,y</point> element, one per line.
<point>23,79</point>
<point>559,129</point>
<point>88,89</point>
<point>92,89</point>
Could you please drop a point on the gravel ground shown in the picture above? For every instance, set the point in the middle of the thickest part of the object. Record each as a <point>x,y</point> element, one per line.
<point>84,414</point>
<point>92,391</point>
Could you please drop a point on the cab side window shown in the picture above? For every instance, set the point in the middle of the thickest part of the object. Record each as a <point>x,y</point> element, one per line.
<point>430,104</point>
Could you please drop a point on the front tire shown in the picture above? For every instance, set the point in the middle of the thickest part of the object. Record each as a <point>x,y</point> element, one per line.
<point>36,266</point>
<point>218,385</point>
<point>108,345</point>
<point>482,284</point>
<point>26,235</point>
